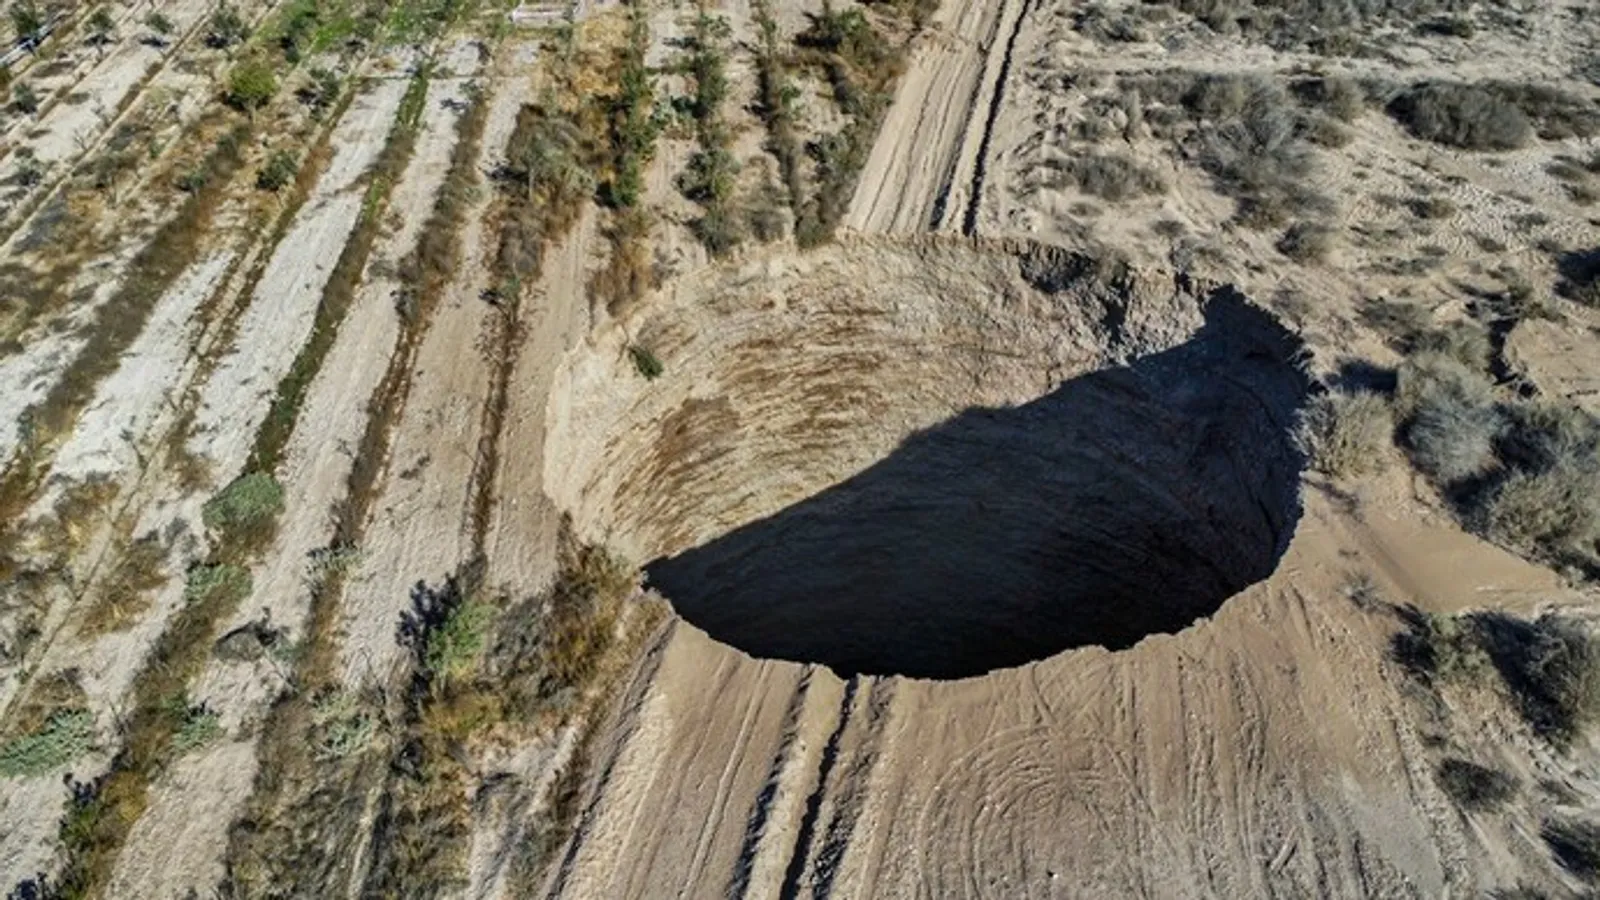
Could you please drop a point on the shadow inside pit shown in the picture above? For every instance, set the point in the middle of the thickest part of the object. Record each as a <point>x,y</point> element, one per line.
<point>1128,502</point>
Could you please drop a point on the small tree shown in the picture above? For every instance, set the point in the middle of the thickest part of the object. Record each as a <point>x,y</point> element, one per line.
<point>251,85</point>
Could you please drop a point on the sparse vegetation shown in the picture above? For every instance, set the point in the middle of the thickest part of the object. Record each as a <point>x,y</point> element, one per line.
<point>159,25</point>
<point>1346,434</point>
<point>226,28</point>
<point>711,176</point>
<point>246,506</point>
<point>1306,242</point>
<point>27,22</point>
<point>278,171</point>
<point>1549,666</point>
<point>1474,787</point>
<point>250,85</point>
<point>1111,177</point>
<point>216,582</point>
<point>102,28</point>
<point>125,592</point>
<point>1576,845</point>
<point>67,735</point>
<point>645,362</point>
<point>1492,116</point>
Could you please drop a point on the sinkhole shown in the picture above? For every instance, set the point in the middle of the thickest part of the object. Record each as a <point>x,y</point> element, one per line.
<point>936,458</point>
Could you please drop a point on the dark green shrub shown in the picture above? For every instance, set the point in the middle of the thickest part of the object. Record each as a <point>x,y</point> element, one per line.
<point>1576,845</point>
<point>645,362</point>
<point>1474,787</point>
<point>278,171</point>
<point>23,98</point>
<point>226,28</point>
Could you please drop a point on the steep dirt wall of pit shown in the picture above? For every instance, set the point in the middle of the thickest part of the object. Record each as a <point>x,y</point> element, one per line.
<point>935,458</point>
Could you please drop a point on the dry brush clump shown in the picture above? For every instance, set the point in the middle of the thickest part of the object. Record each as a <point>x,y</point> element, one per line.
<point>1346,433</point>
<point>1493,115</point>
<point>1475,787</point>
<point>485,672</point>
<point>1549,667</point>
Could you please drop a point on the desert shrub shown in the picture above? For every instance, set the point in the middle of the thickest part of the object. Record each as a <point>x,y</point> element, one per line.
<point>1576,845</point>
<point>342,726</point>
<point>1551,668</point>
<point>1465,342</point>
<point>247,505</point>
<point>1433,208</point>
<point>1440,648</point>
<point>1474,787</point>
<point>278,171</point>
<point>1338,96</point>
<point>1112,177</point>
<point>1449,418</point>
<point>23,98</point>
<point>1306,242</point>
<point>321,92</point>
<point>226,28</point>
<point>1103,25</point>
<point>1554,113</point>
<point>1449,26</point>
<point>159,24</point>
<point>1255,150</point>
<point>1530,511</point>
<point>197,727</point>
<point>101,27</point>
<point>1346,434</point>
<point>205,583</point>
<point>645,362</point>
<point>250,85</point>
<point>66,735</point>
<point>1580,277</point>
<point>27,21</point>
<point>1461,115</point>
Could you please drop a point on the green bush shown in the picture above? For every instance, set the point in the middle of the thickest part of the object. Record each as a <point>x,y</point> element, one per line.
<point>645,362</point>
<point>65,736</point>
<point>1474,787</point>
<point>198,727</point>
<point>217,582</point>
<point>101,26</point>
<point>27,20</point>
<point>453,647</point>
<point>249,502</point>
<point>278,171</point>
<point>251,85</point>
<point>23,98</point>
<point>226,28</point>
<point>1346,434</point>
<point>160,24</point>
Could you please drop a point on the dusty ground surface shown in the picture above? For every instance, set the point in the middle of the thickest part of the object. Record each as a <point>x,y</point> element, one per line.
<point>506,504</point>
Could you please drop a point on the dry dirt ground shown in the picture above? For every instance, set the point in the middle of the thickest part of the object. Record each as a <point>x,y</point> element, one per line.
<point>460,517</point>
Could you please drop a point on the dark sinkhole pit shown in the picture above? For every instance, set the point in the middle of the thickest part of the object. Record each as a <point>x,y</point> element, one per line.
<point>1127,501</point>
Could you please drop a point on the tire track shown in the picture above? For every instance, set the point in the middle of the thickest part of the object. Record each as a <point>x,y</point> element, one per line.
<point>969,222</point>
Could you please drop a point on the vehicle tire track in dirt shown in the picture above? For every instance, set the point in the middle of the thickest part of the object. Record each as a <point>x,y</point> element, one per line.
<point>633,713</point>
<point>909,174</point>
<point>997,96</point>
<point>756,823</point>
